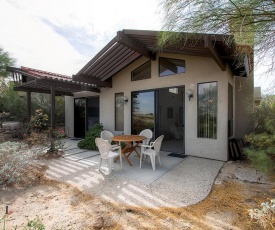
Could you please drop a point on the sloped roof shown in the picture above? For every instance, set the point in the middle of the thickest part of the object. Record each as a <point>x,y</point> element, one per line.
<point>34,80</point>
<point>129,45</point>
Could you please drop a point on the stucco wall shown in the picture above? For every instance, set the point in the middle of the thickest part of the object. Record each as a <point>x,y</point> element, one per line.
<point>244,91</point>
<point>198,70</point>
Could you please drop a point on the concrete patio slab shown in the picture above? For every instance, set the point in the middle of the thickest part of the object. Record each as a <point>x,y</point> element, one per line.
<point>187,183</point>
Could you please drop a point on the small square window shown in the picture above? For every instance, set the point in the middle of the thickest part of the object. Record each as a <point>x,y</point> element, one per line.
<point>169,66</point>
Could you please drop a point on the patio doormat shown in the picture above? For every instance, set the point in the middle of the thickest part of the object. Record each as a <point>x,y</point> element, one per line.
<point>179,155</point>
<point>76,139</point>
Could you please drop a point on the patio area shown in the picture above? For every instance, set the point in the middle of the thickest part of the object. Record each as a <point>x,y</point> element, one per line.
<point>177,182</point>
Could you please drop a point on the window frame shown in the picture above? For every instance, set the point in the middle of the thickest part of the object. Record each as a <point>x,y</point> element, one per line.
<point>145,63</point>
<point>177,59</point>
<point>122,95</point>
<point>215,124</point>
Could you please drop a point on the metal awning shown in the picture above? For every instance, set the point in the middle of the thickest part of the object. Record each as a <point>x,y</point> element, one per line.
<point>129,45</point>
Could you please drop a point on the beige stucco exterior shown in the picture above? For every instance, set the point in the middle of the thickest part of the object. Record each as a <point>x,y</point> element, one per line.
<point>198,70</point>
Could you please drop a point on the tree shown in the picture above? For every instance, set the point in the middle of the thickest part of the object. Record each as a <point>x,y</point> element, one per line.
<point>252,22</point>
<point>5,60</point>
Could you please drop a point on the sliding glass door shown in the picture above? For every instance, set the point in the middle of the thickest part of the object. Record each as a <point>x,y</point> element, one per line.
<point>86,114</point>
<point>162,111</point>
<point>143,111</point>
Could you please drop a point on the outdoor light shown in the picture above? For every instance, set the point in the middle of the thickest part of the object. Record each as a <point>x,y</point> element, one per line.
<point>189,93</point>
<point>125,99</point>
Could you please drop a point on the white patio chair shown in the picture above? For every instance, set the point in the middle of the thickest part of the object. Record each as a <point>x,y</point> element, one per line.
<point>106,153</point>
<point>152,153</point>
<point>148,134</point>
<point>107,136</point>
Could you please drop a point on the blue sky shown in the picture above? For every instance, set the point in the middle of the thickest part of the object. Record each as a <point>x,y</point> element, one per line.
<point>61,36</point>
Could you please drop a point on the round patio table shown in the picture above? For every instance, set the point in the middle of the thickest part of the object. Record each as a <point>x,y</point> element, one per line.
<point>131,141</point>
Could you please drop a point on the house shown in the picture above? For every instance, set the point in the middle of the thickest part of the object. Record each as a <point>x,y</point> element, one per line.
<point>194,91</point>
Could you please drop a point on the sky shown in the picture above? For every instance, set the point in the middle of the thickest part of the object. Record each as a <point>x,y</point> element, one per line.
<point>61,36</point>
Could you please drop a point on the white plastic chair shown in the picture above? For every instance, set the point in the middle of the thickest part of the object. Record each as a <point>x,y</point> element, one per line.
<point>107,136</point>
<point>152,153</point>
<point>148,134</point>
<point>106,153</point>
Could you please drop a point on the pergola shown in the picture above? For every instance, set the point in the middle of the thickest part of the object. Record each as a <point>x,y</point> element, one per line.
<point>129,45</point>
<point>32,80</point>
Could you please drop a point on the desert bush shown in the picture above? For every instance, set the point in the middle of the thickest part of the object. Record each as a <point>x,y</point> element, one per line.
<point>15,157</point>
<point>43,140</point>
<point>265,217</point>
<point>261,141</point>
<point>91,135</point>
<point>39,121</point>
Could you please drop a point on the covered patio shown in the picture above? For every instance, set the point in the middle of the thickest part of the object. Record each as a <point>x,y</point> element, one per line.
<point>31,80</point>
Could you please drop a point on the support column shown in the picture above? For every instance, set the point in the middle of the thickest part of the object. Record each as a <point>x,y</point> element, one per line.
<point>52,115</point>
<point>29,106</point>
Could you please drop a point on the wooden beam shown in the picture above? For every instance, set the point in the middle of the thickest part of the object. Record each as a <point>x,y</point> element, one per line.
<point>66,86</point>
<point>36,90</point>
<point>86,79</point>
<point>215,55</point>
<point>127,41</point>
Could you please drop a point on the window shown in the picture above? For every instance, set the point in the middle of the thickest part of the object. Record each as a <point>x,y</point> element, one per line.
<point>142,72</point>
<point>207,110</point>
<point>169,66</point>
<point>119,111</point>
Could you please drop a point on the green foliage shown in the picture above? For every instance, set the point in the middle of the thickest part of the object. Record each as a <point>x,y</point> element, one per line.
<point>251,22</point>
<point>35,224</point>
<point>13,102</point>
<point>39,121</point>
<point>91,135</point>
<point>5,60</point>
<point>261,141</point>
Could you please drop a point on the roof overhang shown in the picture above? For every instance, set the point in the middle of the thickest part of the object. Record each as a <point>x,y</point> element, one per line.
<point>129,45</point>
<point>32,80</point>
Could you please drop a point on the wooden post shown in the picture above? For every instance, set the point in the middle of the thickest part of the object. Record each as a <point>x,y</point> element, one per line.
<point>29,106</point>
<point>52,116</point>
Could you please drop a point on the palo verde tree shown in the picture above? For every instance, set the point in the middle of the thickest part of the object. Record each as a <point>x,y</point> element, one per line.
<point>252,22</point>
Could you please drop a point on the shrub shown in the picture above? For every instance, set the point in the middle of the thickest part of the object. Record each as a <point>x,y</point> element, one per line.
<point>39,121</point>
<point>91,135</point>
<point>261,141</point>
<point>45,142</point>
<point>15,157</point>
<point>265,217</point>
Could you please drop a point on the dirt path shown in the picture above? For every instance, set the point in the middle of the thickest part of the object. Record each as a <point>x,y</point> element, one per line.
<point>60,206</point>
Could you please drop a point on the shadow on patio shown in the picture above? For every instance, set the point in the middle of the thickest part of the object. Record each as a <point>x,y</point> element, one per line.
<point>177,182</point>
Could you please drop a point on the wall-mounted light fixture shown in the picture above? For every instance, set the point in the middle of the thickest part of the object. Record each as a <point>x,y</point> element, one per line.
<point>125,99</point>
<point>189,93</point>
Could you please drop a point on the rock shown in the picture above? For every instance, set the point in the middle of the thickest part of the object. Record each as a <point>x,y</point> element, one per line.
<point>99,223</point>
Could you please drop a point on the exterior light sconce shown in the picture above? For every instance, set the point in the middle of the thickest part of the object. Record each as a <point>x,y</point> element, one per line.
<point>125,99</point>
<point>189,93</point>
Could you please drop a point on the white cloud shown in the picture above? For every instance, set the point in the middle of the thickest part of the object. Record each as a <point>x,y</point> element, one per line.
<point>62,36</point>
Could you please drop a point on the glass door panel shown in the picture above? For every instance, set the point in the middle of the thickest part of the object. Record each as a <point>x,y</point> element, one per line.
<point>170,118</point>
<point>142,111</point>
<point>79,117</point>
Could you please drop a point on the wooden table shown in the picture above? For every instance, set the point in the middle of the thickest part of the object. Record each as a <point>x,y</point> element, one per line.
<point>131,141</point>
